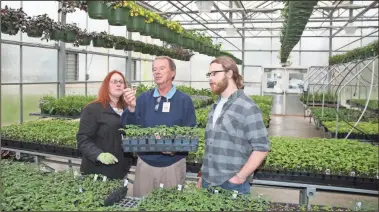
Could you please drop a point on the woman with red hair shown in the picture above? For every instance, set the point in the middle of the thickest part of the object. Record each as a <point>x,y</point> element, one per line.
<point>99,138</point>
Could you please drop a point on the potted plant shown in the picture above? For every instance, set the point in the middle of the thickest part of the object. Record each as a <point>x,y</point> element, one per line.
<point>174,35</point>
<point>97,9</point>
<point>56,32</point>
<point>99,39</point>
<point>83,38</point>
<point>149,24</point>
<point>146,48</point>
<point>119,42</point>
<point>12,20</point>
<point>70,32</point>
<point>138,46</point>
<point>136,22</point>
<point>118,14</point>
<point>37,25</point>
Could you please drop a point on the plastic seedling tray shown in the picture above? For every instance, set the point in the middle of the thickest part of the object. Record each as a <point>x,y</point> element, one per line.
<point>160,145</point>
<point>129,202</point>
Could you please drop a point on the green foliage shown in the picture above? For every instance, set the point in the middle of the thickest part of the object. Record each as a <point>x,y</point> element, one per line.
<point>54,132</point>
<point>359,53</point>
<point>344,114</point>
<point>65,106</point>
<point>193,199</point>
<point>365,127</point>
<point>372,104</point>
<point>26,188</point>
<point>133,131</point>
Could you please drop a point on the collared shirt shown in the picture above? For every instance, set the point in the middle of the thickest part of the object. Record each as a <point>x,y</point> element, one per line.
<point>237,132</point>
<point>169,95</point>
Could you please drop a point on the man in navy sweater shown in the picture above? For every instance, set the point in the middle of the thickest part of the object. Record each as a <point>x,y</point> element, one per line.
<point>163,105</point>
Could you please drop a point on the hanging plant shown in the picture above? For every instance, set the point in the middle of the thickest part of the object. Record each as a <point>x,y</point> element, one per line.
<point>83,38</point>
<point>37,25</point>
<point>120,42</point>
<point>56,32</point>
<point>150,24</point>
<point>102,39</point>
<point>118,13</point>
<point>12,20</point>
<point>70,32</point>
<point>97,9</point>
<point>71,6</point>
<point>137,20</point>
<point>138,46</point>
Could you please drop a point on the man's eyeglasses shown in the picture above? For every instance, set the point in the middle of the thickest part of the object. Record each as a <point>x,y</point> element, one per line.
<point>213,73</point>
<point>117,81</point>
<point>157,105</point>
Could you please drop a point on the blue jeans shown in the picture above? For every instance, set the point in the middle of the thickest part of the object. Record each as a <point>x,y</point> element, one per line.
<point>243,188</point>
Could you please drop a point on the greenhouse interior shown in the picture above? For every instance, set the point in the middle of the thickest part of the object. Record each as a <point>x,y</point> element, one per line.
<point>310,67</point>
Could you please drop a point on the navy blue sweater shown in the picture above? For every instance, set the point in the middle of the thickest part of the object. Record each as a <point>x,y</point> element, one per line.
<point>182,113</point>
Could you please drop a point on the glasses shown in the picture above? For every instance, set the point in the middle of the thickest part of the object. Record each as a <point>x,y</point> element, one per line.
<point>117,81</point>
<point>213,73</point>
<point>157,105</point>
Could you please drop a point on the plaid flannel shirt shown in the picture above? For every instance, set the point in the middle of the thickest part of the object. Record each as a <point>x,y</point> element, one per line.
<point>237,132</point>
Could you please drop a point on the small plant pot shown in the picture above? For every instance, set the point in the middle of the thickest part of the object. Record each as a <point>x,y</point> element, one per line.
<point>139,23</point>
<point>97,10</point>
<point>98,42</point>
<point>86,41</point>
<point>34,33</point>
<point>118,16</point>
<point>149,29</point>
<point>70,36</point>
<point>57,35</point>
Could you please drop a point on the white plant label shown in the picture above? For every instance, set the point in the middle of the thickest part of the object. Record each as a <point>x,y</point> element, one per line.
<point>126,182</point>
<point>95,177</point>
<point>216,191</point>
<point>179,187</point>
<point>104,178</point>
<point>161,185</point>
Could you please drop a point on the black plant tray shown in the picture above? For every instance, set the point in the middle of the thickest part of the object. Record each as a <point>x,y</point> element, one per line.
<point>116,196</point>
<point>42,148</point>
<point>160,145</point>
<point>193,167</point>
<point>355,136</point>
<point>318,179</point>
<point>42,115</point>
<point>129,202</point>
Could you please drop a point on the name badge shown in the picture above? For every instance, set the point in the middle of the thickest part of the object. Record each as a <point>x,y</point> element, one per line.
<point>166,107</point>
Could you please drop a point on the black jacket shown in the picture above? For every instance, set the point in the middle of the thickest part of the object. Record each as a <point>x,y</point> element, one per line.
<point>98,133</point>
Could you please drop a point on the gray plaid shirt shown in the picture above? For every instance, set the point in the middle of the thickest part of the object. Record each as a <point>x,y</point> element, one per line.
<point>238,131</point>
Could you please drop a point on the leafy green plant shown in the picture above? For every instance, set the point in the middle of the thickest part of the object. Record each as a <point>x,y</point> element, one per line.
<point>12,20</point>
<point>71,105</point>
<point>359,53</point>
<point>365,127</point>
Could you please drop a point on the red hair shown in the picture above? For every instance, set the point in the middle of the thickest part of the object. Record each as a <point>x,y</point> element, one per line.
<point>103,96</point>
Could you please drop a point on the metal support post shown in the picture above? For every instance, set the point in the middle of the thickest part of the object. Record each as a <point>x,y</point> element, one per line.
<point>128,71</point>
<point>305,194</point>
<point>0,77</point>
<point>62,61</point>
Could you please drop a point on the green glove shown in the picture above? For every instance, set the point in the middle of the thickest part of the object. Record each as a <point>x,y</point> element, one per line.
<point>107,158</point>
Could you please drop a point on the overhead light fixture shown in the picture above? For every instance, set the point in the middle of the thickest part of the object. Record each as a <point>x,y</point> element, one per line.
<point>231,30</point>
<point>204,6</point>
<point>350,29</point>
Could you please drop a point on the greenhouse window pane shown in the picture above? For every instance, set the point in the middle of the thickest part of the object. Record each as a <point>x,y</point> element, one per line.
<point>75,89</point>
<point>31,97</point>
<point>10,63</point>
<point>10,104</point>
<point>93,88</point>
<point>39,65</point>
<point>97,67</point>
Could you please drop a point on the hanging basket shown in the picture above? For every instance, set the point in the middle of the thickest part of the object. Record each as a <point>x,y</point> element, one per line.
<point>35,33</point>
<point>57,35</point>
<point>97,10</point>
<point>149,29</point>
<point>86,41</point>
<point>139,24</point>
<point>98,42</point>
<point>118,16</point>
<point>9,29</point>
<point>69,36</point>
<point>119,46</point>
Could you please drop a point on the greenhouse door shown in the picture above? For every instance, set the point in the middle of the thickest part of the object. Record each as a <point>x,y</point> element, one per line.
<point>285,85</point>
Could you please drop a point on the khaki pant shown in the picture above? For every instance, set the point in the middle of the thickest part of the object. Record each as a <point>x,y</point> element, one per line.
<point>148,177</point>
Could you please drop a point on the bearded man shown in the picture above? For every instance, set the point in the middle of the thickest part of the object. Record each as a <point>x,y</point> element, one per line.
<point>236,137</point>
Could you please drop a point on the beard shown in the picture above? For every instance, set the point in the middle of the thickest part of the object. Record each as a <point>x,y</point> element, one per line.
<point>219,87</point>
